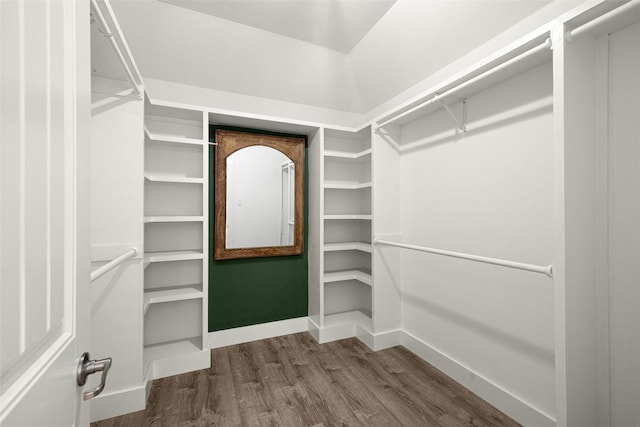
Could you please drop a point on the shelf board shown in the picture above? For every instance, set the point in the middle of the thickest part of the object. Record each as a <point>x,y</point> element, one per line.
<point>360,275</point>
<point>347,155</point>
<point>347,185</point>
<point>175,357</point>
<point>173,293</point>
<point>156,137</point>
<point>172,349</point>
<point>173,178</point>
<point>177,218</point>
<point>349,216</point>
<point>361,317</point>
<point>348,246</point>
<point>166,256</point>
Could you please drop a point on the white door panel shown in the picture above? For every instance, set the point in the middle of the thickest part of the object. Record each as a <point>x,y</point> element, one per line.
<point>44,201</point>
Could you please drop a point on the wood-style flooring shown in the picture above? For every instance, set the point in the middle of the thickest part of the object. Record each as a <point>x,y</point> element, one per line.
<point>294,381</point>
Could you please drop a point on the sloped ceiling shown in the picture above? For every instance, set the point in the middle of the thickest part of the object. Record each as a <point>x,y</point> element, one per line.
<point>337,25</point>
<point>411,41</point>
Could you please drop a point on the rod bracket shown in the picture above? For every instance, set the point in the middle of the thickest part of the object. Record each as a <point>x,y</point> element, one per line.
<point>460,125</point>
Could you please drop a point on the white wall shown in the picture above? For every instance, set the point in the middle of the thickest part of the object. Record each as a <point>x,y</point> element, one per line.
<point>180,45</point>
<point>254,204</point>
<point>487,193</point>
<point>624,225</point>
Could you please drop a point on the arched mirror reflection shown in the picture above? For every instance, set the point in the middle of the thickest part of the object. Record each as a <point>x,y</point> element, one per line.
<point>260,199</point>
<point>258,195</point>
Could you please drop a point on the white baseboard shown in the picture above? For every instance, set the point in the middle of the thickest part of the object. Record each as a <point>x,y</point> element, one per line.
<point>117,403</point>
<point>502,399</point>
<point>262,331</point>
<point>387,339</point>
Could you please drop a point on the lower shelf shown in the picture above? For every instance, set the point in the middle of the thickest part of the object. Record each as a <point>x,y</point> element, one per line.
<point>168,256</point>
<point>362,275</point>
<point>175,357</point>
<point>359,317</point>
<point>173,293</point>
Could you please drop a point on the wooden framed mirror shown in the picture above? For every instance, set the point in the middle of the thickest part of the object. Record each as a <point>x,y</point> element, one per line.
<point>259,195</point>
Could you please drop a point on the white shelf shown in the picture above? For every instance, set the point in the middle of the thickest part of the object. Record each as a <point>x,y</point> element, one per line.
<point>150,257</point>
<point>347,155</point>
<point>360,275</point>
<point>173,178</point>
<point>348,246</point>
<point>175,357</point>
<point>156,137</point>
<point>360,317</point>
<point>177,218</point>
<point>174,293</point>
<point>348,216</point>
<point>171,349</point>
<point>347,185</point>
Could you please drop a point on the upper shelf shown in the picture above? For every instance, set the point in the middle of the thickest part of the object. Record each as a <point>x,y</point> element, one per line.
<point>346,185</point>
<point>172,178</point>
<point>348,246</point>
<point>157,137</point>
<point>347,155</point>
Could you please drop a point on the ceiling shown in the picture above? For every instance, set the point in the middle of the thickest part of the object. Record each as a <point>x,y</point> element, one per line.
<point>335,24</point>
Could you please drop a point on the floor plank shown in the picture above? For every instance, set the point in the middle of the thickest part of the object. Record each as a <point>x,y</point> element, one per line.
<point>294,381</point>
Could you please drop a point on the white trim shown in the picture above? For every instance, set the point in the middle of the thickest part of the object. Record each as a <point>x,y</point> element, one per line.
<point>387,339</point>
<point>25,382</point>
<point>120,402</point>
<point>261,331</point>
<point>507,402</point>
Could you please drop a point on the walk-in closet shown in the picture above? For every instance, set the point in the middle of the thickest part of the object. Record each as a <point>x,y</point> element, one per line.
<point>440,225</point>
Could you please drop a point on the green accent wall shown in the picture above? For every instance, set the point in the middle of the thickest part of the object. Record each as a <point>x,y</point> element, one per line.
<point>249,291</point>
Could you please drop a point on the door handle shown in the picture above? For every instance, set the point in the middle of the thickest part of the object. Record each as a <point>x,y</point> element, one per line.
<point>87,367</point>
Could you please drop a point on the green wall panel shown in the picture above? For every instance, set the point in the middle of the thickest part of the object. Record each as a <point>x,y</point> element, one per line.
<point>249,291</point>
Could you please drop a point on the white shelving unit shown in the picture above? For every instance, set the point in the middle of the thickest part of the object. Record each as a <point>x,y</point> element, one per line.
<point>347,215</point>
<point>176,241</point>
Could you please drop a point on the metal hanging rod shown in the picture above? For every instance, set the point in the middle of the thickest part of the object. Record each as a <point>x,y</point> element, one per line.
<point>101,271</point>
<point>106,31</point>
<point>438,96</point>
<point>585,28</point>
<point>546,270</point>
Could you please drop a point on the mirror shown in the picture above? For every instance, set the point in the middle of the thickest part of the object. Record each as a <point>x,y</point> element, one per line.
<point>259,204</point>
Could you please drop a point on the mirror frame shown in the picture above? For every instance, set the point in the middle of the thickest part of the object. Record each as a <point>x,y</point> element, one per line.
<point>230,141</point>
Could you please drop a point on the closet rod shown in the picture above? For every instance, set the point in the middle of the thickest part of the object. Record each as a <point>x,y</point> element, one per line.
<point>100,271</point>
<point>585,28</point>
<point>109,35</point>
<point>438,96</point>
<point>547,270</point>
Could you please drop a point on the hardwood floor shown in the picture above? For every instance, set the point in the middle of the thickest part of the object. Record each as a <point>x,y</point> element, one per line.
<point>294,381</point>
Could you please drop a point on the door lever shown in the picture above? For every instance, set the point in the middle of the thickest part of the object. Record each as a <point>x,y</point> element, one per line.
<point>87,367</point>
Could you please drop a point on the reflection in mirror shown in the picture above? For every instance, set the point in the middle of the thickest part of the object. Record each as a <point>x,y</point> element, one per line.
<point>259,198</point>
<point>259,194</point>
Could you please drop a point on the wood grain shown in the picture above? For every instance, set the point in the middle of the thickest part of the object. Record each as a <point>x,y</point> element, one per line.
<point>294,381</point>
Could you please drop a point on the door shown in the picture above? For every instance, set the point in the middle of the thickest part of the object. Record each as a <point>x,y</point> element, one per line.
<point>44,210</point>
